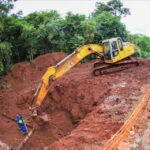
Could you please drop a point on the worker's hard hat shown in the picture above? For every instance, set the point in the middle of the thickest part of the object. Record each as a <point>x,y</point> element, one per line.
<point>20,121</point>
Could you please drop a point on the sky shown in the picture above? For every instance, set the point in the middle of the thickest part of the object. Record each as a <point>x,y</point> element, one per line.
<point>137,22</point>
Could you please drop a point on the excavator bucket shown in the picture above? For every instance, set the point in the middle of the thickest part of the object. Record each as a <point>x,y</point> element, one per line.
<point>44,117</point>
<point>40,117</point>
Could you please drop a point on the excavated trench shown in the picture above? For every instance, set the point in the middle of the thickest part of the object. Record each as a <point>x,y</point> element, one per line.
<point>84,111</point>
<point>68,103</point>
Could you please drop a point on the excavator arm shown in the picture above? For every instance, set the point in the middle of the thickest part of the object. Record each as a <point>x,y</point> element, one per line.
<point>61,68</point>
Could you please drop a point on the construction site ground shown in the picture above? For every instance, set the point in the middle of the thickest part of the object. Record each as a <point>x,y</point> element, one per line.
<point>84,111</point>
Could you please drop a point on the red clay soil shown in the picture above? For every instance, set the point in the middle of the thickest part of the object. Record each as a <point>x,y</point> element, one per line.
<point>139,136</point>
<point>85,111</point>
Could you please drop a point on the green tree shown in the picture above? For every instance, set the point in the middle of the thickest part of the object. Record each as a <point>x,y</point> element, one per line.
<point>143,45</point>
<point>115,7</point>
<point>5,57</point>
<point>109,26</point>
<point>5,45</point>
<point>28,38</point>
<point>5,6</point>
<point>43,17</point>
<point>88,29</point>
<point>71,27</point>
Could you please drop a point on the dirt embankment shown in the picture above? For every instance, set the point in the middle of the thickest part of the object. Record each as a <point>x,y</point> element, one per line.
<point>106,103</point>
<point>85,111</point>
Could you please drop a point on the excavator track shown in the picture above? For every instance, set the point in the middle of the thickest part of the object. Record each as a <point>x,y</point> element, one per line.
<point>102,68</point>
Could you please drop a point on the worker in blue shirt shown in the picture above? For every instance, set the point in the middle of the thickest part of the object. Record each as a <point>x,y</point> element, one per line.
<point>22,125</point>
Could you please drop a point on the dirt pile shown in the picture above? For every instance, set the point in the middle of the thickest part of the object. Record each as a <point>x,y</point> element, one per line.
<point>25,74</point>
<point>85,111</point>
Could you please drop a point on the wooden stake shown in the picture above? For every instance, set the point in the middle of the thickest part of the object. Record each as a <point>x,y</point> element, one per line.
<point>25,140</point>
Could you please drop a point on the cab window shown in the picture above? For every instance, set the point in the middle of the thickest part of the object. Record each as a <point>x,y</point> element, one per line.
<point>114,48</point>
<point>120,44</point>
<point>114,45</point>
<point>107,54</point>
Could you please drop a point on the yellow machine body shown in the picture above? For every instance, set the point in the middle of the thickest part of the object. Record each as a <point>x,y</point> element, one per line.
<point>128,51</point>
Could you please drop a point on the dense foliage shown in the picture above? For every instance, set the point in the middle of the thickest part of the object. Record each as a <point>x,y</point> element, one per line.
<point>24,38</point>
<point>143,45</point>
<point>115,7</point>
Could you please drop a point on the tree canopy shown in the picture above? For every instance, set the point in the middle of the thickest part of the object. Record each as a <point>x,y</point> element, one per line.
<point>115,7</point>
<point>24,38</point>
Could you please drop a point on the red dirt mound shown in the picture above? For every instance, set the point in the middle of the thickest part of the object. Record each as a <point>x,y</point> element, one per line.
<point>25,74</point>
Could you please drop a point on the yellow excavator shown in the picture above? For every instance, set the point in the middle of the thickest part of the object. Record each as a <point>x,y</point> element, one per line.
<point>111,54</point>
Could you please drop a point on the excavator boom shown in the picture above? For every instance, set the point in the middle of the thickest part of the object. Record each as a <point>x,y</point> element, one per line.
<point>61,68</point>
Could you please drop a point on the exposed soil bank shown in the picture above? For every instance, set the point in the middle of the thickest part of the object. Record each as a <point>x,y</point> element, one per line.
<point>106,103</point>
<point>85,111</point>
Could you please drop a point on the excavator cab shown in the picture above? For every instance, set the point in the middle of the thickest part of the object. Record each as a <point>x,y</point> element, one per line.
<point>114,51</point>
<point>112,48</point>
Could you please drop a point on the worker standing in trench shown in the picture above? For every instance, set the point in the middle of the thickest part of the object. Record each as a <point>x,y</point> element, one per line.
<point>22,125</point>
